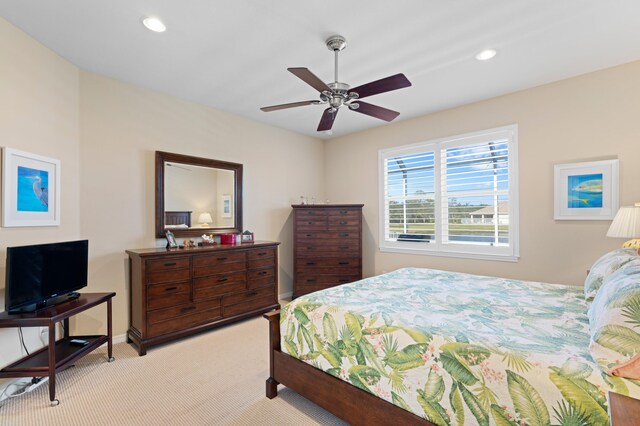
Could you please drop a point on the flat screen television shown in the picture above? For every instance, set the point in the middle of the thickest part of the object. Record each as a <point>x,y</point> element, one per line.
<point>43,275</point>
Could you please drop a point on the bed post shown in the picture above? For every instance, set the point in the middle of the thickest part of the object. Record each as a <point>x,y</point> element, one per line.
<point>274,345</point>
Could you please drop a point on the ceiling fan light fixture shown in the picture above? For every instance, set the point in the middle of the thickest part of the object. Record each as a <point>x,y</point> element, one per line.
<point>154,24</point>
<point>486,54</point>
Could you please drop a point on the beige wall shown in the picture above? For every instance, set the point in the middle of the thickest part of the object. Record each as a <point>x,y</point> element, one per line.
<point>590,117</point>
<point>121,126</point>
<point>38,114</point>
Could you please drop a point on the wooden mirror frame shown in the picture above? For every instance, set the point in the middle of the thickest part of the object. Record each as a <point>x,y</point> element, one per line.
<point>161,159</point>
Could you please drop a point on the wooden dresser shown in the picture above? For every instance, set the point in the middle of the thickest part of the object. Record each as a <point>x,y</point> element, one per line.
<point>327,246</point>
<point>178,292</point>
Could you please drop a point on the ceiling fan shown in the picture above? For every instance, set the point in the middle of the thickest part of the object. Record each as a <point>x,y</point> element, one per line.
<point>338,94</point>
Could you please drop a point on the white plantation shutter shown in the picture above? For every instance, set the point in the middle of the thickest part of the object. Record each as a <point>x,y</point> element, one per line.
<point>455,196</point>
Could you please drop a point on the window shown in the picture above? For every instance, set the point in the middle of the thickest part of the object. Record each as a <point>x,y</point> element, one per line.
<point>455,196</point>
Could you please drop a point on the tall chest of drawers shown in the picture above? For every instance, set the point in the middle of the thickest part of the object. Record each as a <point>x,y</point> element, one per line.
<point>327,246</point>
<point>175,293</point>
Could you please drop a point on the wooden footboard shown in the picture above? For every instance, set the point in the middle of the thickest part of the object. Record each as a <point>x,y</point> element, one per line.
<point>348,402</point>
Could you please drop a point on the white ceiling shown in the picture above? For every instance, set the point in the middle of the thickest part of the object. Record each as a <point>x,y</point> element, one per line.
<point>234,55</point>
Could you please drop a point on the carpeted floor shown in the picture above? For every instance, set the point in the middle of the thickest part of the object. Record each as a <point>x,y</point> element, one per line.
<point>215,378</point>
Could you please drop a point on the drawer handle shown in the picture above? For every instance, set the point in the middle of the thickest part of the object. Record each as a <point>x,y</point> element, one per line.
<point>344,247</point>
<point>170,264</point>
<point>311,263</point>
<point>344,235</point>
<point>253,293</point>
<point>262,253</point>
<point>311,281</point>
<point>222,258</point>
<point>343,212</point>
<point>187,309</point>
<point>170,288</point>
<point>310,248</point>
<point>262,273</point>
<point>343,222</point>
<point>343,263</point>
<point>311,213</point>
<point>309,235</point>
<point>343,280</point>
<point>221,280</point>
<point>310,223</point>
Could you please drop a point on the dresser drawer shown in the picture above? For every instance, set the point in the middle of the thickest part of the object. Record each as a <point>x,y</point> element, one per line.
<point>218,259</point>
<point>163,265</point>
<point>338,263</point>
<point>167,276</point>
<point>222,262</point>
<point>217,285</point>
<point>262,258</point>
<point>232,299</point>
<point>249,305</point>
<point>163,295</point>
<point>261,278</point>
<point>180,317</point>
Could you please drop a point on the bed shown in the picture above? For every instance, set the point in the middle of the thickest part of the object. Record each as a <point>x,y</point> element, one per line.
<point>177,219</point>
<point>421,346</point>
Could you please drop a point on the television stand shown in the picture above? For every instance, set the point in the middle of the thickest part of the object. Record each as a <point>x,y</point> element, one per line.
<point>62,354</point>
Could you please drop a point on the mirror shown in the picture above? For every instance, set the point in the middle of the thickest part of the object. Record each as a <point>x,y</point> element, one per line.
<point>196,196</point>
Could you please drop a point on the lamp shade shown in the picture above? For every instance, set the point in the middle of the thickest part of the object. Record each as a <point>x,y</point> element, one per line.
<point>205,218</point>
<point>626,224</point>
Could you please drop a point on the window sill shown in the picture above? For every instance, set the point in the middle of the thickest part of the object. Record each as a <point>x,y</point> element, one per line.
<point>456,254</point>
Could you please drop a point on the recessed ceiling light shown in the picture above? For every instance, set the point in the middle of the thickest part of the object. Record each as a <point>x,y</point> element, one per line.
<point>154,24</point>
<point>486,54</point>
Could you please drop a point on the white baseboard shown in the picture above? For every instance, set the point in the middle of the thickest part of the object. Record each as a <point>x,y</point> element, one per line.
<point>120,338</point>
<point>285,295</point>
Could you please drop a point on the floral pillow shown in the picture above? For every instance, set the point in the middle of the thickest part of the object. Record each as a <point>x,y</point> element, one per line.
<point>614,319</point>
<point>605,266</point>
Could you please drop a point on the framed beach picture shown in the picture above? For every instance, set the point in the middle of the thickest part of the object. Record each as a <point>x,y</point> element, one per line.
<point>586,191</point>
<point>30,189</point>
<point>226,206</point>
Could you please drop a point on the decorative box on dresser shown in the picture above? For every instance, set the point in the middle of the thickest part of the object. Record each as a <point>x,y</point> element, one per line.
<point>178,292</point>
<point>327,246</point>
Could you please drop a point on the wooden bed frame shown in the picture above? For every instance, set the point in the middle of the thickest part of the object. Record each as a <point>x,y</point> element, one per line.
<point>346,401</point>
<point>358,407</point>
<point>177,218</point>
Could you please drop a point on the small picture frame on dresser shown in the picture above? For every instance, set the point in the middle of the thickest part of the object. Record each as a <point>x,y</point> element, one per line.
<point>247,237</point>
<point>171,240</point>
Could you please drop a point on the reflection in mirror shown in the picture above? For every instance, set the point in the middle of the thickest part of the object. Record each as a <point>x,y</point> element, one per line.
<point>197,195</point>
<point>201,191</point>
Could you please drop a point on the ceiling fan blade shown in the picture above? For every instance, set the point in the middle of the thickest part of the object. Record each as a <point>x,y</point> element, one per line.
<point>388,84</point>
<point>291,105</point>
<point>328,117</point>
<point>376,111</point>
<point>310,78</point>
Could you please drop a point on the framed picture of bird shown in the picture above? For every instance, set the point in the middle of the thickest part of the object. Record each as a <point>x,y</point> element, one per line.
<point>30,189</point>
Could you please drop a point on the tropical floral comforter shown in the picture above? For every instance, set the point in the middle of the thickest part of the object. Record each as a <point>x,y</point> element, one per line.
<point>456,348</point>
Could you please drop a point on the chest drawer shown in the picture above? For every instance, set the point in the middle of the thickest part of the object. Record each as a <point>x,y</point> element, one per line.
<point>164,265</point>
<point>329,248</point>
<point>339,223</point>
<point>335,266</point>
<point>345,213</point>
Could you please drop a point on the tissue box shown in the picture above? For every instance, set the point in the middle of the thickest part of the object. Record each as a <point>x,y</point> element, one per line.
<point>229,239</point>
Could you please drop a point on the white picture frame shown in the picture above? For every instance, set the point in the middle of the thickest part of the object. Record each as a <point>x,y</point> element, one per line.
<point>586,191</point>
<point>227,206</point>
<point>30,189</point>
